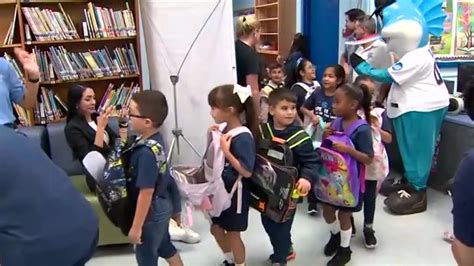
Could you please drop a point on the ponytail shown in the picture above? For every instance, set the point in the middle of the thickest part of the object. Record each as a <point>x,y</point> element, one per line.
<point>366,102</point>
<point>251,118</point>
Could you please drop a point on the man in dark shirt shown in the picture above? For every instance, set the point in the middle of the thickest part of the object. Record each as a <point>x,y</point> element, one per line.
<point>44,220</point>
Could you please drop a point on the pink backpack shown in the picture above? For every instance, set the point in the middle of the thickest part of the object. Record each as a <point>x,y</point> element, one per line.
<point>202,187</point>
<point>379,168</point>
<point>340,182</point>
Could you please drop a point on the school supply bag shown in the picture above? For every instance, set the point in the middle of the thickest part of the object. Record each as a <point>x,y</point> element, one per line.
<point>112,189</point>
<point>340,182</point>
<point>316,132</point>
<point>273,181</point>
<point>309,90</point>
<point>379,168</point>
<point>202,187</point>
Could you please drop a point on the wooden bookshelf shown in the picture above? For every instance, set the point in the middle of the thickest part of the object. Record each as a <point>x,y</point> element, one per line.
<point>75,9</point>
<point>278,21</point>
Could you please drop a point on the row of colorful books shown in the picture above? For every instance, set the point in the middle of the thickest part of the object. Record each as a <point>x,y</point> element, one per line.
<point>49,25</point>
<point>101,22</point>
<point>58,63</point>
<point>51,108</point>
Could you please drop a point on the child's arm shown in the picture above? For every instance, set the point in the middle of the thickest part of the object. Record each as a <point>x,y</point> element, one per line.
<point>386,136</point>
<point>244,159</point>
<point>143,206</point>
<point>364,150</point>
<point>309,162</point>
<point>310,114</point>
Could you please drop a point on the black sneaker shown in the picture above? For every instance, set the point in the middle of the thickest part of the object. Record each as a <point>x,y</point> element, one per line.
<point>342,257</point>
<point>313,209</point>
<point>354,231</point>
<point>370,240</point>
<point>226,263</point>
<point>333,244</point>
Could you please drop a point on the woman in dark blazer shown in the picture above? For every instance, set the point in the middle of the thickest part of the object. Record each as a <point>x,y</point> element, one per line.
<point>85,130</point>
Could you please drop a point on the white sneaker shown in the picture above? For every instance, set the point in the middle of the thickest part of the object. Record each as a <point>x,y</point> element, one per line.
<point>183,233</point>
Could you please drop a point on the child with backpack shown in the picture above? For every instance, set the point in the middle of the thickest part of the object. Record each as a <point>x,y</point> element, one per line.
<point>378,170</point>
<point>304,85</point>
<point>148,188</point>
<point>275,82</point>
<point>317,109</point>
<point>357,152</point>
<point>283,109</point>
<point>227,103</point>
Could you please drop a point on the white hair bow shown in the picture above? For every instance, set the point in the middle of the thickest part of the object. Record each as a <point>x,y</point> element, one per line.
<point>243,92</point>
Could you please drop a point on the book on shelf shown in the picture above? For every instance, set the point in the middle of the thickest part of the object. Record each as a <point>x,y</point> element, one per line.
<point>49,25</point>
<point>118,96</point>
<point>101,22</point>
<point>14,64</point>
<point>48,108</point>
<point>11,29</point>
<point>57,64</point>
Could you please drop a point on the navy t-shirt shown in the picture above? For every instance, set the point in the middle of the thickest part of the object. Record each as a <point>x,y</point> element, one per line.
<point>145,171</point>
<point>463,200</point>
<point>243,148</point>
<point>321,104</point>
<point>44,219</point>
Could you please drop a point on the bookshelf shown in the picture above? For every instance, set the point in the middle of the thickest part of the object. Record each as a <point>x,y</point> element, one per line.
<point>278,21</point>
<point>95,43</point>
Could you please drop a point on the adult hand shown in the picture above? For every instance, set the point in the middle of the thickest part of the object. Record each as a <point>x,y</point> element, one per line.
<point>28,62</point>
<point>103,119</point>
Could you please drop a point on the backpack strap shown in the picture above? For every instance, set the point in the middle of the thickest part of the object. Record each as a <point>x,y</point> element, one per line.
<point>305,86</point>
<point>297,139</point>
<point>354,126</point>
<point>266,131</point>
<point>157,150</point>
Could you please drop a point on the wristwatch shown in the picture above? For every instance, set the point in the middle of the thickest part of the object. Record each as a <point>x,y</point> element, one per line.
<point>34,80</point>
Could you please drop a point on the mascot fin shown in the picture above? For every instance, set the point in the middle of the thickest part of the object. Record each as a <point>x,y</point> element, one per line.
<point>432,11</point>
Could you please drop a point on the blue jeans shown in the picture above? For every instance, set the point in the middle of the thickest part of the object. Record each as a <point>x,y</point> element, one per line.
<point>156,240</point>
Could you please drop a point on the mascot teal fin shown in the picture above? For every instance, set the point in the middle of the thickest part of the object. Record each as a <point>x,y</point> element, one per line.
<point>432,11</point>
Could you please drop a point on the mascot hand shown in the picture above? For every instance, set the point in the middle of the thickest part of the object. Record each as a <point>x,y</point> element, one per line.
<point>355,60</point>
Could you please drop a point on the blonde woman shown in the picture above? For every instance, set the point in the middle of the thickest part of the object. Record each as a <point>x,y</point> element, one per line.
<point>247,59</point>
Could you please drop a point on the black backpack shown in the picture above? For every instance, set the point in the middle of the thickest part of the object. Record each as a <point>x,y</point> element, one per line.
<point>112,190</point>
<point>274,177</point>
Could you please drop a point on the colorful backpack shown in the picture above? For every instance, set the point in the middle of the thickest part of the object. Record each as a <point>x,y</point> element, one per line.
<point>340,182</point>
<point>112,189</point>
<point>273,180</point>
<point>379,168</point>
<point>202,187</point>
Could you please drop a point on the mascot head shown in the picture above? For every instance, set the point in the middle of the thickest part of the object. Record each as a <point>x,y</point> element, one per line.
<point>407,24</point>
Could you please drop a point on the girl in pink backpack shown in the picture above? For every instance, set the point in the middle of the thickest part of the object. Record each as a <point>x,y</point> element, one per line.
<point>347,101</point>
<point>378,170</point>
<point>227,103</point>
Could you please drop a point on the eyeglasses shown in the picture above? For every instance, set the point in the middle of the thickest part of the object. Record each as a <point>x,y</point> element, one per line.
<point>136,116</point>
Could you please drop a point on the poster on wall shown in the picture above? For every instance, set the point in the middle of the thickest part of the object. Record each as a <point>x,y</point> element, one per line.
<point>443,45</point>
<point>464,27</point>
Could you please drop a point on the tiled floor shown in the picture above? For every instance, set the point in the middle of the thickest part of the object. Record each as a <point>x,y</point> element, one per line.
<point>403,240</point>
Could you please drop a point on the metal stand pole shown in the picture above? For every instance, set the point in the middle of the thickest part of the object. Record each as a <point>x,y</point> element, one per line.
<point>177,132</point>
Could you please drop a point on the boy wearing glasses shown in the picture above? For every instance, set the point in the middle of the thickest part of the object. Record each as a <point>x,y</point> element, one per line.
<point>148,188</point>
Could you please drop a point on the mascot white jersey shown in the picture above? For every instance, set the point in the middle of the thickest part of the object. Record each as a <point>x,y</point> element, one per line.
<point>418,98</point>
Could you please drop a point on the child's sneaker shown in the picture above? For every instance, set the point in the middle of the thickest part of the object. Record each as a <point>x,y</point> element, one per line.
<point>313,209</point>
<point>182,233</point>
<point>370,240</point>
<point>333,244</point>
<point>342,257</point>
<point>226,263</point>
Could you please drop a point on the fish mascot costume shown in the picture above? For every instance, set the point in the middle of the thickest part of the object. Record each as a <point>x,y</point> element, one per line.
<point>418,98</point>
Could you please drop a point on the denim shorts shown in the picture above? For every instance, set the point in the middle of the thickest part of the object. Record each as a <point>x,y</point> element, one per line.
<point>156,241</point>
